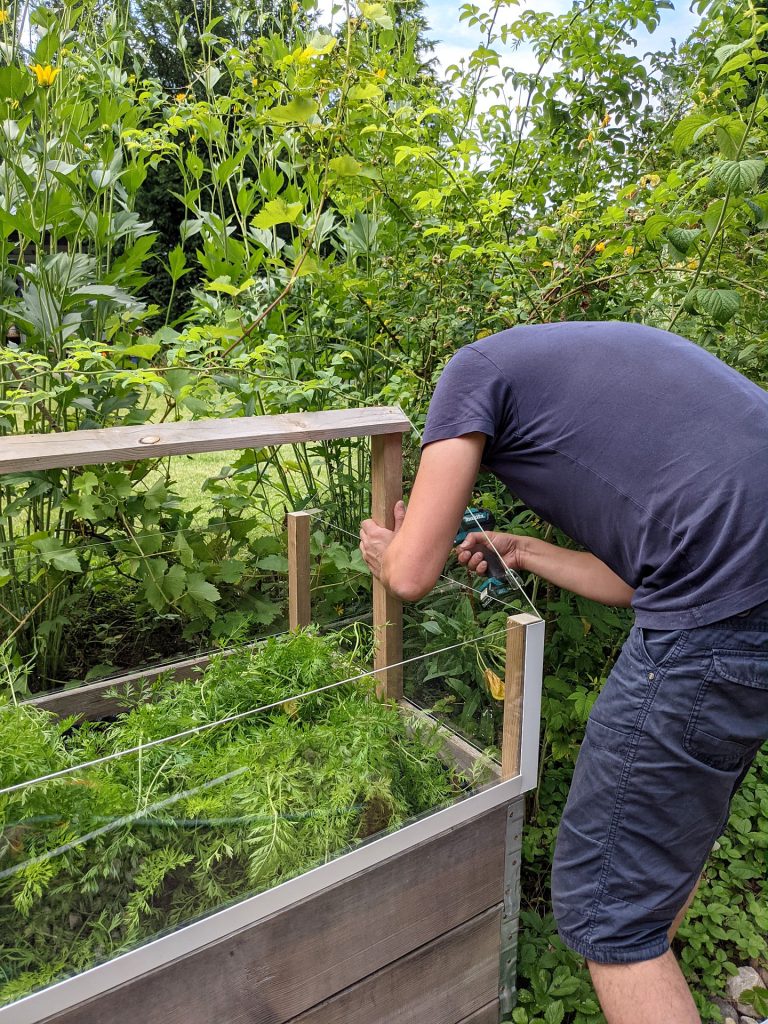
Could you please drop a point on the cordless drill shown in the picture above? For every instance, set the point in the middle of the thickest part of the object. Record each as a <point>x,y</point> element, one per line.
<point>499,579</point>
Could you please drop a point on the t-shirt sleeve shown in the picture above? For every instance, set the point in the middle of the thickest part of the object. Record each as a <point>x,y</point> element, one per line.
<point>471,396</point>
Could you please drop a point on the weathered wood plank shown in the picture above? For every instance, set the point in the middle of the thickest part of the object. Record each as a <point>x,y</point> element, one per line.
<point>299,598</point>
<point>91,701</point>
<point>514,671</point>
<point>26,452</point>
<point>454,748</point>
<point>281,967</point>
<point>441,983</point>
<point>386,490</point>
<point>489,1014</point>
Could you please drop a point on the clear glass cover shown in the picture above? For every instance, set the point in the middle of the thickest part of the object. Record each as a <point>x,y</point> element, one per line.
<point>195,792</point>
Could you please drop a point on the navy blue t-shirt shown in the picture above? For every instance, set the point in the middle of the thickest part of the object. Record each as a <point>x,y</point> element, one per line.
<point>641,446</point>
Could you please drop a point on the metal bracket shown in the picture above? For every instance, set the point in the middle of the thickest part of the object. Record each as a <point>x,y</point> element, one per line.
<point>510,918</point>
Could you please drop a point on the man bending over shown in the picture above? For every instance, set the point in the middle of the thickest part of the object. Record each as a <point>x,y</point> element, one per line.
<point>652,455</point>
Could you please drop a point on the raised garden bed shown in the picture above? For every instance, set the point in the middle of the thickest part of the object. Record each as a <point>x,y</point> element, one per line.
<point>416,921</point>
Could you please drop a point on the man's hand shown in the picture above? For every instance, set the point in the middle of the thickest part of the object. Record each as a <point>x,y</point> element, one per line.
<point>472,551</point>
<point>578,571</point>
<point>375,539</point>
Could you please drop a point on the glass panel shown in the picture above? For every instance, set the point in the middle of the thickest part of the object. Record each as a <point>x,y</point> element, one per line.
<point>464,629</point>
<point>202,792</point>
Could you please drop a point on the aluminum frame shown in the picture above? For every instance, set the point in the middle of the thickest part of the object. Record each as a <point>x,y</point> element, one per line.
<point>71,992</point>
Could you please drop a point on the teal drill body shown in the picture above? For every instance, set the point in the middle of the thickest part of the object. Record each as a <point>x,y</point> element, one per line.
<point>497,583</point>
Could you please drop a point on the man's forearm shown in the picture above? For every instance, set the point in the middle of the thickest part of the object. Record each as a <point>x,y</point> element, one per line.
<point>577,571</point>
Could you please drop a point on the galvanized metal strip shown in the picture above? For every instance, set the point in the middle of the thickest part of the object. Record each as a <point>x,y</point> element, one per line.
<point>510,918</point>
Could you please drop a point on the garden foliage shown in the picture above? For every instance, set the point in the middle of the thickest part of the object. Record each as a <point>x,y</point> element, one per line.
<point>313,218</point>
<point>101,859</point>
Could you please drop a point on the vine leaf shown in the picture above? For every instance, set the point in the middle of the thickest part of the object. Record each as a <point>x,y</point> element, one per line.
<point>277,211</point>
<point>721,304</point>
<point>300,110</point>
<point>738,175</point>
<point>690,130</point>
<point>683,238</point>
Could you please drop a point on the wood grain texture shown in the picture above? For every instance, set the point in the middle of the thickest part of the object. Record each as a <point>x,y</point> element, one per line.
<point>453,749</point>
<point>92,701</point>
<point>514,669</point>
<point>279,968</point>
<point>386,490</point>
<point>489,1014</point>
<point>299,600</point>
<point>26,452</point>
<point>441,983</point>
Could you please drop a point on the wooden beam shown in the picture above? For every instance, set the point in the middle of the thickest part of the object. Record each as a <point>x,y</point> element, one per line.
<point>514,674</point>
<point>454,749</point>
<point>299,599</point>
<point>94,701</point>
<point>386,490</point>
<point>27,452</point>
<point>446,980</point>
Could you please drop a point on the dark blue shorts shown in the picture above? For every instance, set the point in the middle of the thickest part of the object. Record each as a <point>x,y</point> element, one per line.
<point>671,736</point>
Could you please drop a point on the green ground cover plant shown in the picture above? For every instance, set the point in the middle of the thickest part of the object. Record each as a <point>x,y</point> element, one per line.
<point>183,828</point>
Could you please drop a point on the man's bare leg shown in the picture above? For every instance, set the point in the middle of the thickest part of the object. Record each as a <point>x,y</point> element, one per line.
<point>648,992</point>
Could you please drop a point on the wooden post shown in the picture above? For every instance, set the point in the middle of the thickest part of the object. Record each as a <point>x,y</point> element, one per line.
<point>299,602</point>
<point>514,675</point>
<point>386,490</point>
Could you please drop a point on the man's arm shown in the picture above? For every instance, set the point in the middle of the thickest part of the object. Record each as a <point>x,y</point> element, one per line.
<point>578,571</point>
<point>409,559</point>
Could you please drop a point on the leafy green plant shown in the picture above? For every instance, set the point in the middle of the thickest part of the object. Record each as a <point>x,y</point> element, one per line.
<point>98,859</point>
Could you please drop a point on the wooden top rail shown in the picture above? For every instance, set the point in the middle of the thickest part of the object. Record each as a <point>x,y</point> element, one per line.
<point>23,453</point>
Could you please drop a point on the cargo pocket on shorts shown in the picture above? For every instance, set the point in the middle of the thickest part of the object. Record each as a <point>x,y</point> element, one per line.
<point>729,720</point>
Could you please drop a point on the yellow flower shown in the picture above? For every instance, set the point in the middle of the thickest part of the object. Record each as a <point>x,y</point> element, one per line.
<point>495,684</point>
<point>630,250</point>
<point>45,76</point>
<point>606,121</point>
<point>547,263</point>
<point>180,97</point>
<point>3,15</point>
<point>600,247</point>
<point>380,73</point>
